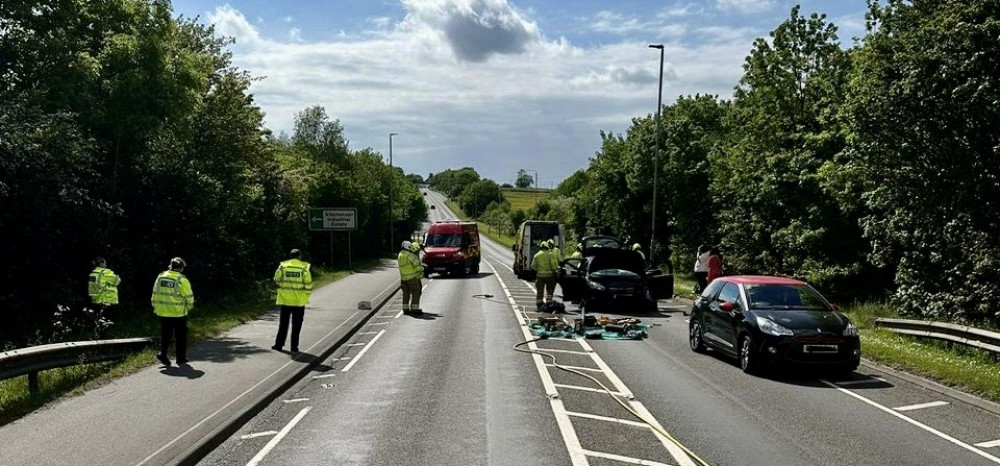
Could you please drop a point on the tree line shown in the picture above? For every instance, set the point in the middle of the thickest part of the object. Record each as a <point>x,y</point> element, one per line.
<point>127,133</point>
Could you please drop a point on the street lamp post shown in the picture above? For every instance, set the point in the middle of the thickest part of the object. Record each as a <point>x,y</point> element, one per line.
<point>391,179</point>
<point>656,152</point>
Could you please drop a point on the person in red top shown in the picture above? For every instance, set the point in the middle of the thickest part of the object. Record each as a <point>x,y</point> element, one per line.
<point>714,264</point>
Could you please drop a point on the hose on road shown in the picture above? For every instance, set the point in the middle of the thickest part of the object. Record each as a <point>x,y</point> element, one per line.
<point>652,425</point>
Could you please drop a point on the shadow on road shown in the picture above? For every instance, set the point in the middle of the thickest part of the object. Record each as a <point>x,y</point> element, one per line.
<point>225,350</point>
<point>184,370</point>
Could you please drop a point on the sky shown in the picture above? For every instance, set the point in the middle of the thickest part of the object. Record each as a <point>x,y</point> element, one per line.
<point>497,85</point>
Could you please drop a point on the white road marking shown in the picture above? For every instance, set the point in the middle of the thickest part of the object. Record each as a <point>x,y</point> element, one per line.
<point>615,420</point>
<point>324,376</point>
<point>588,389</point>
<point>399,314</point>
<point>845,383</point>
<point>241,395</point>
<point>368,333</point>
<point>346,358</point>
<point>356,344</point>
<point>362,352</point>
<point>379,323</point>
<point>576,452</point>
<point>295,400</point>
<point>277,438</point>
<point>384,317</point>
<point>259,434</point>
<point>916,423</point>
<point>550,350</point>
<point>577,368</point>
<point>623,459</point>
<point>921,406</point>
<point>990,444</point>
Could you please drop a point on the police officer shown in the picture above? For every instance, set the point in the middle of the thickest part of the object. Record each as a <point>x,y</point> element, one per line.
<point>411,269</point>
<point>103,284</point>
<point>544,264</point>
<point>295,284</point>
<point>172,300</point>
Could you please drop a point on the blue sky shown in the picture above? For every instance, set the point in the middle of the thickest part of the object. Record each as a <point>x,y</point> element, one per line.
<point>497,85</point>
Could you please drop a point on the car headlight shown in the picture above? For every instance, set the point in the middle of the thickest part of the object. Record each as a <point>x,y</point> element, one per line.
<point>769,327</point>
<point>851,330</point>
<point>597,286</point>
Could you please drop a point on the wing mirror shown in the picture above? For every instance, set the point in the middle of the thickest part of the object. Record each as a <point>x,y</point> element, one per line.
<point>726,306</point>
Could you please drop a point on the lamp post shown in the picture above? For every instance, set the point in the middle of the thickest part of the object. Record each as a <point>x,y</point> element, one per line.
<point>656,152</point>
<point>391,178</point>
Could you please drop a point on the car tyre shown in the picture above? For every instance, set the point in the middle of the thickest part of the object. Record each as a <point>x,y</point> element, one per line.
<point>696,337</point>
<point>749,359</point>
<point>475,268</point>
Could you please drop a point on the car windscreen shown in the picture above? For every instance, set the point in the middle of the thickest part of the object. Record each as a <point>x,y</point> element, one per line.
<point>601,243</point>
<point>784,297</point>
<point>443,240</point>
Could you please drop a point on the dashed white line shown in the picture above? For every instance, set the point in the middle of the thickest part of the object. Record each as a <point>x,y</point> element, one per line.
<point>363,351</point>
<point>295,400</point>
<point>578,368</point>
<point>324,376</point>
<point>356,344</point>
<point>990,444</point>
<point>550,350</point>
<point>615,420</point>
<point>258,434</point>
<point>916,423</point>
<point>277,438</point>
<point>921,406</point>
<point>368,333</point>
<point>589,389</point>
<point>623,459</point>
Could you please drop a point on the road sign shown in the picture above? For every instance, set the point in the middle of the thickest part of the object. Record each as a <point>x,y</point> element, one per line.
<point>333,219</point>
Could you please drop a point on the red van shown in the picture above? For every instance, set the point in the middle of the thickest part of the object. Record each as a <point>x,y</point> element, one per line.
<point>451,247</point>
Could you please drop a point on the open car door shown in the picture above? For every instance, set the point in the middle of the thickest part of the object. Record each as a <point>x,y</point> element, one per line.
<point>661,285</point>
<point>572,278</point>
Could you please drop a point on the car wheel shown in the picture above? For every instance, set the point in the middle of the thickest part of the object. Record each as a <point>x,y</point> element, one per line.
<point>696,337</point>
<point>475,269</point>
<point>748,357</point>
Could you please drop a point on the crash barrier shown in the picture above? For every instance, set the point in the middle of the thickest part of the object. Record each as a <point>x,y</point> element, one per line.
<point>590,327</point>
<point>949,333</point>
<point>30,361</point>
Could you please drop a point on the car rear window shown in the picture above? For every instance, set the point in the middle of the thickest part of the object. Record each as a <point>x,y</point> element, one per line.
<point>784,297</point>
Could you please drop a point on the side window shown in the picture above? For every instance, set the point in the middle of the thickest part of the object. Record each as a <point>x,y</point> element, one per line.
<point>711,290</point>
<point>730,293</point>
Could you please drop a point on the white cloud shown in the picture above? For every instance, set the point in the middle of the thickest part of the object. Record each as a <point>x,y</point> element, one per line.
<point>380,22</point>
<point>498,106</point>
<point>744,6</point>
<point>295,35</point>
<point>616,23</point>
<point>288,19</point>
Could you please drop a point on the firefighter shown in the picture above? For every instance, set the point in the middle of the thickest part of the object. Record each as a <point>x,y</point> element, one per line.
<point>638,249</point>
<point>578,254</point>
<point>103,284</point>
<point>410,272</point>
<point>172,300</point>
<point>554,248</point>
<point>544,264</point>
<point>294,280</point>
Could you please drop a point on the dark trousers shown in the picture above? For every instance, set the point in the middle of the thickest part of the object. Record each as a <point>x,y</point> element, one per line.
<point>174,327</point>
<point>296,313</point>
<point>702,278</point>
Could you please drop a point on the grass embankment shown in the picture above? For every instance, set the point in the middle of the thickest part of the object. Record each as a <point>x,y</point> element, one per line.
<point>205,323</point>
<point>524,199</point>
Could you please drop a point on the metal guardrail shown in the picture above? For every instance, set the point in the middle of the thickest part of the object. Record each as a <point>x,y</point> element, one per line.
<point>949,333</point>
<point>30,361</point>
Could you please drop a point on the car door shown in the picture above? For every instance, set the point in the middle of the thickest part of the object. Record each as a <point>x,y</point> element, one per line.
<point>721,325</point>
<point>572,278</point>
<point>661,285</point>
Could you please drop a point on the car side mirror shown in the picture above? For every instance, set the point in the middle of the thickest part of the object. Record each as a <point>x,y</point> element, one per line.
<point>727,306</point>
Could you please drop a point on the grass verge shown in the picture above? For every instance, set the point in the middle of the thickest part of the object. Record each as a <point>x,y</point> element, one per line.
<point>205,323</point>
<point>964,368</point>
<point>484,229</point>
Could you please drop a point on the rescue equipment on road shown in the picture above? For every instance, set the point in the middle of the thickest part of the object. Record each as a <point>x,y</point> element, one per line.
<point>597,328</point>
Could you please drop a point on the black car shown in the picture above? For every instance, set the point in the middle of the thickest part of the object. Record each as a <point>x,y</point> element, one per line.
<point>607,274</point>
<point>769,321</point>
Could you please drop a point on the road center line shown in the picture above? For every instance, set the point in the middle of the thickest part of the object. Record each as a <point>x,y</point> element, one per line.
<point>258,434</point>
<point>277,438</point>
<point>363,351</point>
<point>623,459</point>
<point>295,400</point>
<point>916,423</point>
<point>921,406</point>
<point>615,420</point>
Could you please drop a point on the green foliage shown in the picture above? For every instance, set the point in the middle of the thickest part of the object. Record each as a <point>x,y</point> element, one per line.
<point>453,182</point>
<point>925,136</point>
<point>524,180</point>
<point>570,186</point>
<point>479,194</point>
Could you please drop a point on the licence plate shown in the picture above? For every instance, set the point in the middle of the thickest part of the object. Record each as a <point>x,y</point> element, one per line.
<point>813,349</point>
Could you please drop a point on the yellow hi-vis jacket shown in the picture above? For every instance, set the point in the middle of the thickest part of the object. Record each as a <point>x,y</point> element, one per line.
<point>103,286</point>
<point>172,295</point>
<point>410,266</point>
<point>544,264</point>
<point>294,282</point>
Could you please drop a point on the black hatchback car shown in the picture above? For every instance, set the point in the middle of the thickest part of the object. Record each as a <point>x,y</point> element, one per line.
<point>607,274</point>
<point>767,321</point>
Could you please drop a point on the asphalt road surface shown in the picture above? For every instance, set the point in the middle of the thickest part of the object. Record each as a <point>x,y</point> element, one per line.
<point>449,389</point>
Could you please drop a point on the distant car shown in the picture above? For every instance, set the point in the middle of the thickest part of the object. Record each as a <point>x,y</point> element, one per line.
<point>766,321</point>
<point>433,207</point>
<point>425,193</point>
<point>608,275</point>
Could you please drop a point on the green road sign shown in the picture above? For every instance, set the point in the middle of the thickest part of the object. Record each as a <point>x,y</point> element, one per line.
<point>333,219</point>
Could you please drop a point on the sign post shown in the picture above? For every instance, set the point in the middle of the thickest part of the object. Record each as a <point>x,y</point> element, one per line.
<point>334,219</point>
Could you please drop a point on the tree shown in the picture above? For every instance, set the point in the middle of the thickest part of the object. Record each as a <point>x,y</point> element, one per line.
<point>480,194</point>
<point>523,180</point>
<point>924,153</point>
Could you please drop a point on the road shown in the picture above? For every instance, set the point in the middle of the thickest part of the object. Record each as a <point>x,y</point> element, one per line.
<point>449,389</point>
